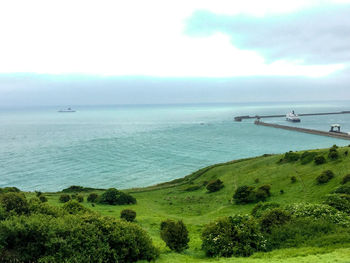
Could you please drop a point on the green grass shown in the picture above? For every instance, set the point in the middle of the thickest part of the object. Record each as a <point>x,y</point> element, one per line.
<point>196,208</point>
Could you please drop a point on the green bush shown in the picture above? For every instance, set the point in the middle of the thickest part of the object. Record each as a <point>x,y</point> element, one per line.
<point>38,207</point>
<point>114,197</point>
<point>80,198</point>
<point>128,215</point>
<point>293,179</point>
<point>77,189</point>
<point>232,236</point>
<point>92,198</point>
<point>43,198</point>
<point>333,155</point>
<point>72,238</point>
<point>291,157</point>
<point>319,211</point>
<point>319,160</point>
<point>274,217</point>
<point>64,198</point>
<point>174,234</point>
<point>9,189</point>
<point>266,188</point>
<point>307,157</point>
<point>261,208</point>
<point>74,207</point>
<point>193,188</point>
<point>14,202</point>
<point>344,189</point>
<point>244,195</point>
<point>340,202</point>
<point>325,177</point>
<point>260,195</point>
<point>346,179</point>
<point>214,185</point>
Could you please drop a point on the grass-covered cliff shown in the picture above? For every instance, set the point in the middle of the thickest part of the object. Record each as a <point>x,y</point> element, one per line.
<point>188,199</point>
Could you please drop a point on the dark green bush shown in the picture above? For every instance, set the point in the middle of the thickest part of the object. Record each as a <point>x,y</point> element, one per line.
<point>114,197</point>
<point>333,155</point>
<point>244,195</point>
<point>38,193</point>
<point>266,188</point>
<point>291,157</point>
<point>307,157</point>
<point>257,180</point>
<point>9,189</point>
<point>72,238</point>
<point>319,160</point>
<point>293,179</point>
<point>14,202</point>
<point>92,197</point>
<point>64,198</point>
<point>325,177</point>
<point>346,179</point>
<point>80,198</point>
<point>77,189</point>
<point>344,189</point>
<point>281,191</point>
<point>261,208</point>
<point>43,198</point>
<point>193,188</point>
<point>274,217</point>
<point>174,234</point>
<point>339,201</point>
<point>214,185</point>
<point>260,195</point>
<point>74,207</point>
<point>128,215</point>
<point>232,236</point>
<point>38,207</point>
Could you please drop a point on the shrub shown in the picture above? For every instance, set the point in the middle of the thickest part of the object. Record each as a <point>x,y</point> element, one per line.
<point>318,211</point>
<point>244,195</point>
<point>291,157</point>
<point>319,160</point>
<point>281,191</point>
<point>325,177</point>
<point>92,197</point>
<point>38,193</point>
<point>64,198</point>
<point>346,179</point>
<point>9,189</point>
<point>266,188</point>
<point>307,157</point>
<point>344,189</point>
<point>72,238</point>
<point>261,208</point>
<point>114,197</point>
<point>232,236</point>
<point>128,214</point>
<point>340,202</point>
<point>80,198</point>
<point>77,189</point>
<point>333,155</point>
<point>257,180</point>
<point>346,153</point>
<point>38,207</point>
<point>193,188</point>
<point>214,185</point>
<point>14,202</point>
<point>43,198</point>
<point>260,195</point>
<point>293,179</point>
<point>174,234</point>
<point>73,207</point>
<point>274,217</point>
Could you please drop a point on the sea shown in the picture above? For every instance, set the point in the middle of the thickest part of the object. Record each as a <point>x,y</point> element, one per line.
<point>126,146</point>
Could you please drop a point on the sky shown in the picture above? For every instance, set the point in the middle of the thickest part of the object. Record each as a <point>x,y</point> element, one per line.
<point>143,52</point>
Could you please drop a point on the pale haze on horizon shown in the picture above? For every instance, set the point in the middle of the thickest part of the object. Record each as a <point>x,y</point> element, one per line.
<point>145,52</point>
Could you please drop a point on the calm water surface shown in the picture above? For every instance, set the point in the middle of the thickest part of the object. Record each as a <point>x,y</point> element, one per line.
<point>131,146</point>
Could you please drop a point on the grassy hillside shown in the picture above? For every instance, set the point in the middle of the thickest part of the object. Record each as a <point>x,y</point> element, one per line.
<point>187,199</point>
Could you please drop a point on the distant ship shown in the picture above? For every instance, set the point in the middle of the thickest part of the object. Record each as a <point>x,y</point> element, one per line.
<point>67,110</point>
<point>292,117</point>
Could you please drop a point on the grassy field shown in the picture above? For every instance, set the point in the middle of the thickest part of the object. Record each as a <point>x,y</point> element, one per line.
<point>197,208</point>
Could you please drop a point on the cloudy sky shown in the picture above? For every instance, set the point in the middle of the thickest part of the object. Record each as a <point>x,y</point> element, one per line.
<point>124,52</point>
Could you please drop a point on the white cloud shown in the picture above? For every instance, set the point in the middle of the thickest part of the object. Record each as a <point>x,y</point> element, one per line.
<point>132,38</point>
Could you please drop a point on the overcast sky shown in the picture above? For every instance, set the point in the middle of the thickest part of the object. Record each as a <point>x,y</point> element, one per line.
<point>125,52</point>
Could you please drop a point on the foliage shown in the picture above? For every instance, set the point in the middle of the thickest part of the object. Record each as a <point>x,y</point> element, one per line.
<point>9,189</point>
<point>174,234</point>
<point>325,177</point>
<point>72,238</point>
<point>293,179</point>
<point>214,185</point>
<point>266,188</point>
<point>114,197</point>
<point>307,157</point>
<point>192,188</point>
<point>291,157</point>
<point>261,208</point>
<point>43,198</point>
<point>74,207</point>
<point>244,195</point>
<point>64,198</point>
<point>128,214</point>
<point>232,236</point>
<point>14,202</point>
<point>38,207</point>
<point>340,202</point>
<point>80,198</point>
<point>344,189</point>
<point>92,197</point>
<point>319,211</point>
<point>319,160</point>
<point>346,179</point>
<point>77,189</point>
<point>274,217</point>
<point>333,155</point>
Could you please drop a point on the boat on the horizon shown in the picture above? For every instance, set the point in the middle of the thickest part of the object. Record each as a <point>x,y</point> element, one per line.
<point>67,110</point>
<point>293,117</point>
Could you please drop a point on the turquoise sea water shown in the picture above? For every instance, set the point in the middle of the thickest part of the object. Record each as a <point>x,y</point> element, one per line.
<point>132,146</point>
